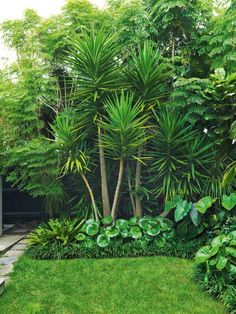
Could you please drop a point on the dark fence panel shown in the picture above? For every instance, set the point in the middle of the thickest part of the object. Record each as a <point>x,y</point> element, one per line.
<point>19,207</point>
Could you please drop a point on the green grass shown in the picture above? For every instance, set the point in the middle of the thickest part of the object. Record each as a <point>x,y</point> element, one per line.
<point>158,285</point>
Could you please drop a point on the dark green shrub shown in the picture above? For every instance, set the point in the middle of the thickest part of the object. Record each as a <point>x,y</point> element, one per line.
<point>135,248</point>
<point>216,266</point>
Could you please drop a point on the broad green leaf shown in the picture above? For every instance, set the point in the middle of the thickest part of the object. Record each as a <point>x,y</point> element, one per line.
<point>194,215</point>
<point>166,224</point>
<point>204,253</point>
<point>122,223</point>
<point>80,237</point>
<point>154,230</point>
<point>204,203</point>
<point>124,233</point>
<point>144,223</point>
<point>112,231</point>
<point>221,262</point>
<point>172,204</point>
<point>92,228</point>
<point>219,240</point>
<point>107,220</point>
<point>133,221</point>
<point>182,210</point>
<point>103,240</point>
<point>229,202</point>
<point>231,251</point>
<point>136,232</point>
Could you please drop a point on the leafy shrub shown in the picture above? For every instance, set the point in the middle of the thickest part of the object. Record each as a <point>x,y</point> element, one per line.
<point>66,231</point>
<point>62,231</point>
<point>216,266</point>
<point>202,218</point>
<point>148,236</point>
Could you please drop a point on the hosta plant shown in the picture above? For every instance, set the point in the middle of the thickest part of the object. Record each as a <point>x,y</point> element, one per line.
<point>146,229</point>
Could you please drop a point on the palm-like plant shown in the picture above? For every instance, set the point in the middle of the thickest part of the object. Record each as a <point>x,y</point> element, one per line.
<point>124,133</point>
<point>93,59</point>
<point>148,76</point>
<point>73,155</point>
<point>181,158</point>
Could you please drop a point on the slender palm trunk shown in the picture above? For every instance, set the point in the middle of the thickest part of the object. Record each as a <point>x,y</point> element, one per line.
<point>104,187</point>
<point>138,202</point>
<point>130,193</point>
<point>173,49</point>
<point>117,192</point>
<point>91,196</point>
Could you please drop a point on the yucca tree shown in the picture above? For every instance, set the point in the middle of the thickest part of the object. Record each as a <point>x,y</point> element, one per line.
<point>73,156</point>
<point>182,158</point>
<point>148,76</point>
<point>93,59</point>
<point>124,127</point>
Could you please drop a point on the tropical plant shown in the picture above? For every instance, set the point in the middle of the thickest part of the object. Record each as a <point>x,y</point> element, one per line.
<point>124,133</point>
<point>204,217</point>
<point>62,231</point>
<point>148,76</point>
<point>181,158</point>
<point>93,59</point>
<point>73,155</point>
<point>216,266</point>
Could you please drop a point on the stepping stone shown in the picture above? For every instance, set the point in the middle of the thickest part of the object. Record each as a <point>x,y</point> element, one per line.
<point>19,246</point>
<point>7,241</point>
<point>8,260</point>
<point>13,252</point>
<point>5,270</point>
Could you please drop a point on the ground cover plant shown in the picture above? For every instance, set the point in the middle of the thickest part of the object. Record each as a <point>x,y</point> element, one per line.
<point>123,121</point>
<point>106,286</point>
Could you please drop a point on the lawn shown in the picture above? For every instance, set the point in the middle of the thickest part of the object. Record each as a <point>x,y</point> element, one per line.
<point>140,285</point>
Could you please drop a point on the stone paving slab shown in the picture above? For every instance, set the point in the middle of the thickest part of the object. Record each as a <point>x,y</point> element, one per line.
<point>7,241</point>
<point>13,253</point>
<point>7,261</point>
<point>5,270</point>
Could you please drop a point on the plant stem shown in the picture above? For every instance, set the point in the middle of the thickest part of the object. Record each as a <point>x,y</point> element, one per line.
<point>91,196</point>
<point>104,187</point>
<point>173,49</point>
<point>117,192</point>
<point>138,202</point>
<point>130,193</point>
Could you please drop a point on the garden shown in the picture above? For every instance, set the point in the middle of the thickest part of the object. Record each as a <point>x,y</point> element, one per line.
<point>122,120</point>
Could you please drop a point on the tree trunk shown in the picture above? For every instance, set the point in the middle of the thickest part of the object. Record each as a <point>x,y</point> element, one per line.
<point>130,193</point>
<point>117,192</point>
<point>138,202</point>
<point>173,49</point>
<point>91,196</point>
<point>104,187</point>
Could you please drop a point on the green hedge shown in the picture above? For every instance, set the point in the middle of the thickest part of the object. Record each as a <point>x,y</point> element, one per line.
<point>135,248</point>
